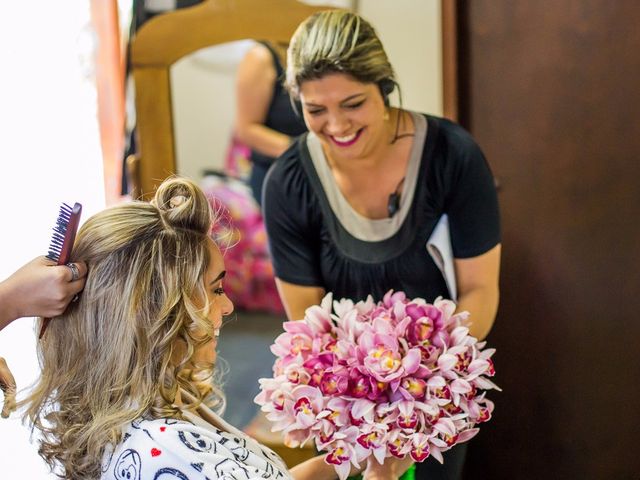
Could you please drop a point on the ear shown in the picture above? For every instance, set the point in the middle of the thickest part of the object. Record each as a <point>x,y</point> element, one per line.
<point>386,85</point>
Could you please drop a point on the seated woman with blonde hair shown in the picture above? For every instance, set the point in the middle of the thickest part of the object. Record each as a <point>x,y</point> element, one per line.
<point>127,370</point>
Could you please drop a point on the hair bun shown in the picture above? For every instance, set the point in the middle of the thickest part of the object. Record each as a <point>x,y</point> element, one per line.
<point>183,204</point>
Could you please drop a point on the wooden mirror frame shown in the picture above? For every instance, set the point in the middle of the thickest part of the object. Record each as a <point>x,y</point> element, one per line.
<point>167,38</point>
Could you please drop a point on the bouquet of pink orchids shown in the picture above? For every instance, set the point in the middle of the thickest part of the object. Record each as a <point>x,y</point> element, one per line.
<point>394,378</point>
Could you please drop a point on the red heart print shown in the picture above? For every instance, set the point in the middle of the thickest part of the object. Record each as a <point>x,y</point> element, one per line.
<point>162,429</point>
<point>155,452</point>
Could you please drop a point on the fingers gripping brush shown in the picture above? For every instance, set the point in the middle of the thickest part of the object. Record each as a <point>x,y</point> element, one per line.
<point>64,234</point>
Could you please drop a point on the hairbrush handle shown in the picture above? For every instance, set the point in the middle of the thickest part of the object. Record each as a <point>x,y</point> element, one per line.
<point>67,223</point>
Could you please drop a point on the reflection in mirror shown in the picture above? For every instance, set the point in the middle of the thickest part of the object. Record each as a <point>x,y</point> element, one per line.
<point>203,101</point>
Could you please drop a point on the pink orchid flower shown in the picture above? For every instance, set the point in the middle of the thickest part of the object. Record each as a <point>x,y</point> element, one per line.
<point>344,453</point>
<point>399,444</point>
<point>363,409</point>
<point>340,458</point>
<point>318,319</point>
<point>446,430</point>
<point>391,297</point>
<point>359,385</point>
<point>459,387</point>
<point>337,411</point>
<point>333,383</point>
<point>407,416</point>
<point>291,344</point>
<point>372,441</point>
<point>382,359</point>
<point>324,431</point>
<point>420,447</point>
<point>411,387</point>
<point>307,402</point>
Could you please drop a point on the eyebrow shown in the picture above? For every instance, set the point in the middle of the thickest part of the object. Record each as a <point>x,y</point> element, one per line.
<point>310,104</point>
<point>219,277</point>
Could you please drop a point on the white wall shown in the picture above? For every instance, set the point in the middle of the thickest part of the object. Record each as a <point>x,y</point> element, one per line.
<point>49,153</point>
<point>411,32</point>
<point>203,83</point>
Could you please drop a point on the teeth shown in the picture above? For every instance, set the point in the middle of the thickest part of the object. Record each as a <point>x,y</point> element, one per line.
<point>216,332</point>
<point>346,139</point>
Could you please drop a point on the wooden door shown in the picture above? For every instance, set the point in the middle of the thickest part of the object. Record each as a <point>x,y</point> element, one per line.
<point>551,91</point>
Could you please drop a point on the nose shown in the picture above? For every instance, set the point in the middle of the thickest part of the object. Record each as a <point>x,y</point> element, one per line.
<point>227,306</point>
<point>337,123</point>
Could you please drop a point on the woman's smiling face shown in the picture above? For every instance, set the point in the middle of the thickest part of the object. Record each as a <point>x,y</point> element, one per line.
<point>219,303</point>
<point>348,116</point>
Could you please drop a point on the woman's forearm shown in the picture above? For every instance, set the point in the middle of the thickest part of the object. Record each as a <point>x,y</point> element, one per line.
<point>482,304</point>
<point>263,139</point>
<point>477,279</point>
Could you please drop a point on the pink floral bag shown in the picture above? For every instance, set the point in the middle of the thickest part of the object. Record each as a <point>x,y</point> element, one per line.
<point>250,281</point>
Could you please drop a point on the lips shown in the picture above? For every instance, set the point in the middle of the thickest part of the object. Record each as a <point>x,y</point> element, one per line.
<point>347,140</point>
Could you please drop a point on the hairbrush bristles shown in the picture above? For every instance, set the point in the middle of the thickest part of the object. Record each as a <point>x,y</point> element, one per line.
<point>59,231</point>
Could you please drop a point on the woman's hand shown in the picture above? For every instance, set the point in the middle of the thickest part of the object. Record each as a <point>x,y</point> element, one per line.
<point>316,469</point>
<point>39,288</point>
<point>392,469</point>
<point>297,298</point>
<point>8,386</point>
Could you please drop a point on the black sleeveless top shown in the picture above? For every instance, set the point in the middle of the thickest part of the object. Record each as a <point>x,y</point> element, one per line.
<point>280,117</point>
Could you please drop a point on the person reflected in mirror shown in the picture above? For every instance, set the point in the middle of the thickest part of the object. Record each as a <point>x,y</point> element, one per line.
<point>38,288</point>
<point>266,121</point>
<point>351,207</point>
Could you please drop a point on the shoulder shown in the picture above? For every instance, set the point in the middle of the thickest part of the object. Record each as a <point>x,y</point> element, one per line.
<point>454,140</point>
<point>145,444</point>
<point>257,64</point>
<point>287,176</point>
<point>259,54</point>
<point>150,447</point>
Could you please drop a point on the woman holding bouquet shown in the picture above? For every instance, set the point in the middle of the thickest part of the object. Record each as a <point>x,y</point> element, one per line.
<point>351,206</point>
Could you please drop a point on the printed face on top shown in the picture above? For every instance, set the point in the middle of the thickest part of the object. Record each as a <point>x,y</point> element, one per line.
<point>348,116</point>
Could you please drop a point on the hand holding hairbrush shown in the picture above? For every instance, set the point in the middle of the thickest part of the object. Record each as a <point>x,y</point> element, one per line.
<point>64,235</point>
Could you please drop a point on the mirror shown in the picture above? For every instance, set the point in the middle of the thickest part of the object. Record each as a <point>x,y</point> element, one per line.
<point>166,39</point>
<point>203,102</point>
<point>203,82</point>
<point>410,31</point>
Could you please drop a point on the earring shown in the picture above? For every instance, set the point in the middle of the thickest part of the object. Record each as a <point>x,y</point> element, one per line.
<point>386,115</point>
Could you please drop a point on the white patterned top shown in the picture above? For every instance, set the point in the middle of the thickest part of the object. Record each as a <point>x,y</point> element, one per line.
<point>196,449</point>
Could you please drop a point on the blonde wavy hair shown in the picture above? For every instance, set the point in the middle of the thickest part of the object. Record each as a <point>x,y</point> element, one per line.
<point>338,41</point>
<point>124,349</point>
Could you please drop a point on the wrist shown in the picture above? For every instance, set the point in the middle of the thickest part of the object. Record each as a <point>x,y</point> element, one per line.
<point>8,311</point>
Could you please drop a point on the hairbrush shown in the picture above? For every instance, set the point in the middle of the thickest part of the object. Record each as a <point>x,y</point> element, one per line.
<point>64,234</point>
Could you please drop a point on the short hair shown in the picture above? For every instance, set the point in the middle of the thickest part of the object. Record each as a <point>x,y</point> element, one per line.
<point>338,41</point>
<point>111,357</point>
